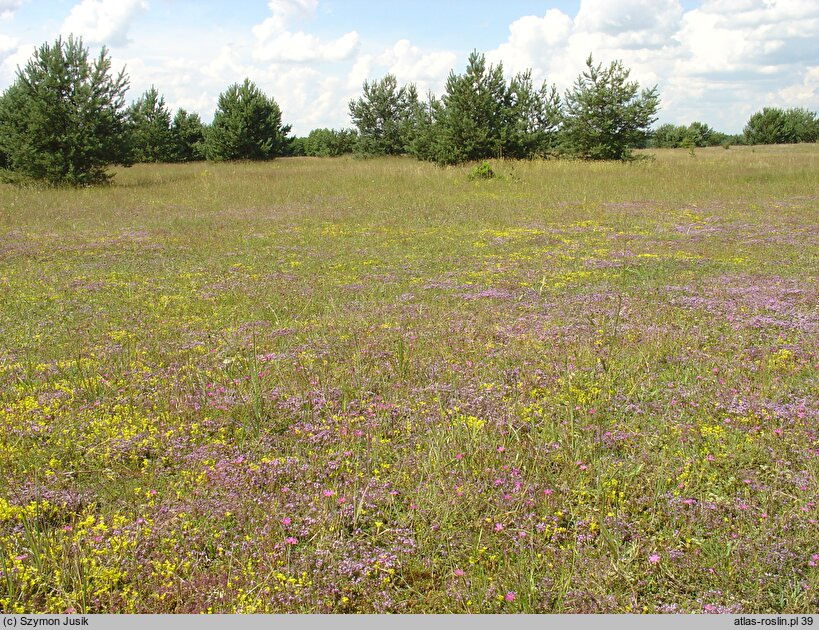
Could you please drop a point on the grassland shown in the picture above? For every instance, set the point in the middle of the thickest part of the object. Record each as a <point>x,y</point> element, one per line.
<point>369,386</point>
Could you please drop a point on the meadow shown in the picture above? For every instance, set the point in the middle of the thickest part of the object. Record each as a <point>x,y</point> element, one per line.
<point>339,385</point>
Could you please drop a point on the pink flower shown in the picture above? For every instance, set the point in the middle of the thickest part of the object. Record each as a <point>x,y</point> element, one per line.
<point>286,521</point>
<point>290,540</point>
<point>501,449</point>
<point>654,558</point>
<point>510,596</point>
<point>548,491</point>
<point>459,572</point>
<point>459,456</point>
<point>498,527</point>
<point>327,493</point>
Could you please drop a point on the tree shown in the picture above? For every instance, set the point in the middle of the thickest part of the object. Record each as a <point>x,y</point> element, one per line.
<point>329,142</point>
<point>247,125</point>
<point>187,137</point>
<point>63,120</point>
<point>801,125</point>
<point>668,136</point>
<point>150,123</point>
<point>532,118</point>
<point>472,114</point>
<point>382,116</point>
<point>766,127</point>
<point>773,125</point>
<point>700,134</point>
<point>605,114</point>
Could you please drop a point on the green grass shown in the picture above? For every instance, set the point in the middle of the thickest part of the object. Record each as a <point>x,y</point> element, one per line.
<point>335,385</point>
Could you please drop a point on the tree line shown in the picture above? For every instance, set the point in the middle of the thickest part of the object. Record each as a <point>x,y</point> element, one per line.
<point>65,120</point>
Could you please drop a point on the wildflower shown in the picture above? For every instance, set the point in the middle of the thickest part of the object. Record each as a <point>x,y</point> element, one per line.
<point>548,491</point>
<point>498,527</point>
<point>286,521</point>
<point>459,572</point>
<point>501,449</point>
<point>654,558</point>
<point>813,560</point>
<point>510,596</point>
<point>328,493</point>
<point>290,540</point>
<point>459,456</point>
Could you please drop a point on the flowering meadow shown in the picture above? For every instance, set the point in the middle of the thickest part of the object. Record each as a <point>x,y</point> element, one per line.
<point>338,385</point>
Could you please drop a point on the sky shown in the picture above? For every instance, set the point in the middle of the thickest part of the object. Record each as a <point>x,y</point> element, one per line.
<point>715,61</point>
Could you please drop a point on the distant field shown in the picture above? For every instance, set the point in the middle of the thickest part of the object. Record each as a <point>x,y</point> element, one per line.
<point>318,385</point>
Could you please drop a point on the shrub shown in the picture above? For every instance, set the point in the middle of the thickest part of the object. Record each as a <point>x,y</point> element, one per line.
<point>482,171</point>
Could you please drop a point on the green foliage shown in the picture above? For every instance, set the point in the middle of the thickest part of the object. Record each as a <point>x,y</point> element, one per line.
<point>605,115</point>
<point>329,142</point>
<point>188,137</point>
<point>382,116</point>
<point>697,134</point>
<point>668,136</point>
<point>296,147</point>
<point>150,123</point>
<point>532,118</point>
<point>773,125</point>
<point>64,120</point>
<point>482,171</point>
<point>247,125</point>
<point>482,116</point>
<point>472,114</point>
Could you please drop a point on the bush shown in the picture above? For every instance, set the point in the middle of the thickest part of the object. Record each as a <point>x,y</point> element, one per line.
<point>329,142</point>
<point>63,120</point>
<point>482,171</point>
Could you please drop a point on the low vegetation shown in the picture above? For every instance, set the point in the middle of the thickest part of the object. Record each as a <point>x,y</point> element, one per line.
<point>382,386</point>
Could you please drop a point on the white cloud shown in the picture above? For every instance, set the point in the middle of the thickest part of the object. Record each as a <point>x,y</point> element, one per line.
<point>103,21</point>
<point>534,41</point>
<point>7,45</point>
<point>718,63</point>
<point>410,64</point>
<point>8,7</point>
<point>275,43</point>
<point>302,47</point>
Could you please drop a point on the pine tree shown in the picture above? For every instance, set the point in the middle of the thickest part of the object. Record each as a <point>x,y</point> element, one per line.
<point>247,125</point>
<point>382,116</point>
<point>604,115</point>
<point>472,115</point>
<point>63,120</point>
<point>150,123</point>
<point>532,118</point>
<point>187,137</point>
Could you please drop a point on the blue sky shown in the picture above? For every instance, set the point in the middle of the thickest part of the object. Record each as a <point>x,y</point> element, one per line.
<point>716,61</point>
